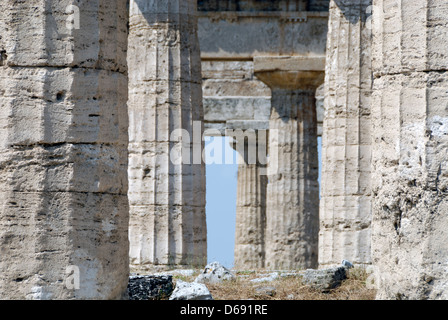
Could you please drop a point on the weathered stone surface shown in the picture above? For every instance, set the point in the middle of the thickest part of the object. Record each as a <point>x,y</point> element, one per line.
<point>63,130</point>
<point>345,204</point>
<point>263,291</point>
<point>215,273</point>
<point>233,93</point>
<point>166,191</point>
<point>410,132</point>
<point>292,206</point>
<point>324,279</point>
<point>150,287</point>
<point>293,190</point>
<point>61,34</point>
<point>245,34</point>
<point>190,291</point>
<point>251,202</point>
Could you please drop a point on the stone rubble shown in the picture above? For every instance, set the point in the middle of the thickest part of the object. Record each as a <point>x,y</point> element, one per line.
<point>215,273</point>
<point>263,291</point>
<point>190,291</point>
<point>324,279</point>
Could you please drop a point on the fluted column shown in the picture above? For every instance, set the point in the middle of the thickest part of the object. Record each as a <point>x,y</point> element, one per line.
<point>251,206</point>
<point>345,207</point>
<point>292,208</point>
<point>410,150</point>
<point>63,150</point>
<point>167,174</point>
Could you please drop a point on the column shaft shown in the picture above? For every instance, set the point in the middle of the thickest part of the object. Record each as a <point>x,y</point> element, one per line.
<point>293,192</point>
<point>410,154</point>
<point>167,174</point>
<point>250,212</point>
<point>63,147</point>
<point>345,209</point>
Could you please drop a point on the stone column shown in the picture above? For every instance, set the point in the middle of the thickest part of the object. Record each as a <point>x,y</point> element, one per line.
<point>410,150</point>
<point>345,207</point>
<point>251,201</point>
<point>292,209</point>
<point>167,174</point>
<point>63,150</point>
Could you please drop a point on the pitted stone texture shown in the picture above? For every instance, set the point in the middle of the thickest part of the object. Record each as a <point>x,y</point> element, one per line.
<point>97,168</point>
<point>63,130</point>
<point>410,132</point>
<point>41,33</point>
<point>57,105</point>
<point>345,206</point>
<point>166,171</point>
<point>44,233</point>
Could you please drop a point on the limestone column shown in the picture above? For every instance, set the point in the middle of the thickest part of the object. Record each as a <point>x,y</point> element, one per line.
<point>410,149</point>
<point>63,150</point>
<point>292,208</point>
<point>251,203</point>
<point>167,174</point>
<point>345,206</point>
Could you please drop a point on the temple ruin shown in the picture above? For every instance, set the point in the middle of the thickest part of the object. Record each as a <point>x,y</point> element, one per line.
<point>105,105</point>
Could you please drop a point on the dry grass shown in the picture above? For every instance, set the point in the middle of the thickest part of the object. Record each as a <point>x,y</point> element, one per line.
<point>291,288</point>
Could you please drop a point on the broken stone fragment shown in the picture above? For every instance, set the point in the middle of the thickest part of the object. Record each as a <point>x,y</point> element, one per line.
<point>215,273</point>
<point>268,278</point>
<point>190,291</point>
<point>325,279</point>
<point>264,291</point>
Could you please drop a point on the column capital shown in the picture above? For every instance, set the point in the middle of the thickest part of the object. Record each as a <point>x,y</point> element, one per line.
<point>290,72</point>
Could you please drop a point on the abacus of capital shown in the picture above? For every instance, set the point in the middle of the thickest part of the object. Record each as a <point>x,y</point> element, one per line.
<point>105,105</point>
